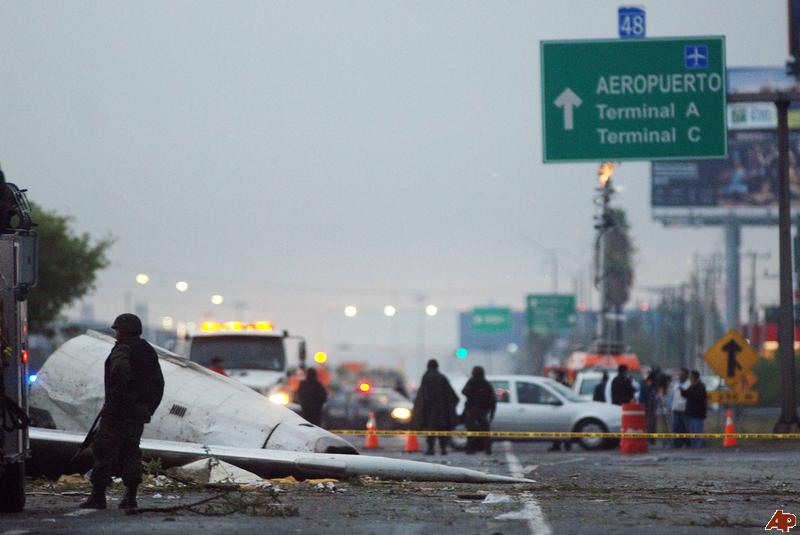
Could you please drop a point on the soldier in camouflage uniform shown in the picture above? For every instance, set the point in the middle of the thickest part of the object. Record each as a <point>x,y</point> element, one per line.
<point>134,386</point>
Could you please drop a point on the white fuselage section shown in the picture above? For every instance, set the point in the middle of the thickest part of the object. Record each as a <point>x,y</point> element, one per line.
<point>199,406</point>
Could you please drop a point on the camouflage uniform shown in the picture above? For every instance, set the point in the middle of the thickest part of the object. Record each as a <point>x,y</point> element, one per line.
<point>134,386</point>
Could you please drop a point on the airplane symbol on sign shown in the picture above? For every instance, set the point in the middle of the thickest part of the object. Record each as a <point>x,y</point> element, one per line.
<point>695,57</point>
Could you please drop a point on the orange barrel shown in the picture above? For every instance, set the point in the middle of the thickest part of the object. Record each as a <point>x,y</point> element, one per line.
<point>633,422</point>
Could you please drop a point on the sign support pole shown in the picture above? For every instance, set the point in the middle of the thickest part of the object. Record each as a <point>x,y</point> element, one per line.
<point>788,421</point>
<point>733,241</point>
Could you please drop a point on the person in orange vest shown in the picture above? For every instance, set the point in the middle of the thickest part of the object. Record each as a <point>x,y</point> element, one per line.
<point>216,366</point>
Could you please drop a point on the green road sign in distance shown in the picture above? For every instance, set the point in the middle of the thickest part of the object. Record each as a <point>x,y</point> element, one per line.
<point>491,320</point>
<point>550,313</point>
<point>633,99</point>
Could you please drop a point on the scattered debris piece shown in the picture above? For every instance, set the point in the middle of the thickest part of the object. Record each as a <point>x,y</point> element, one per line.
<point>211,470</point>
<point>494,499</point>
<point>286,480</point>
<point>471,496</point>
<point>71,479</point>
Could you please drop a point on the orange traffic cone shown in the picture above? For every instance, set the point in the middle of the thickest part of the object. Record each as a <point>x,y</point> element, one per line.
<point>729,441</point>
<point>371,440</point>
<point>412,444</point>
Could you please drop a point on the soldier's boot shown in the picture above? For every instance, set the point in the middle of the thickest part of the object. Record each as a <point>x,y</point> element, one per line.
<point>128,500</point>
<point>96,500</point>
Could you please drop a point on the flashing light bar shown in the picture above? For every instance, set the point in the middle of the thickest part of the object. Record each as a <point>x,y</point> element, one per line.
<point>235,326</point>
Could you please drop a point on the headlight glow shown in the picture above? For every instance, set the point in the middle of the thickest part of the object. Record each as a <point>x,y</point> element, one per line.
<point>279,398</point>
<point>401,413</point>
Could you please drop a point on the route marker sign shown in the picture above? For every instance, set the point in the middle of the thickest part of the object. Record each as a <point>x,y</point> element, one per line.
<point>633,99</point>
<point>731,357</point>
<point>491,320</point>
<point>631,22</point>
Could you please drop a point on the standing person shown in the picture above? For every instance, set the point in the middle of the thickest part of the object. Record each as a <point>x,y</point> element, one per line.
<point>622,390</point>
<point>648,396</point>
<point>696,407</point>
<point>479,409</point>
<point>599,393</point>
<point>561,377</point>
<point>134,387</point>
<point>679,408</point>
<point>435,406</point>
<point>311,396</point>
<point>216,366</point>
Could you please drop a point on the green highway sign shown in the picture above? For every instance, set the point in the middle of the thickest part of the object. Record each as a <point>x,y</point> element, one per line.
<point>550,313</point>
<point>491,320</point>
<point>633,99</point>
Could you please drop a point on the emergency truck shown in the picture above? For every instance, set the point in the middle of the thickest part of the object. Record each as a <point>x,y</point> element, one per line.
<point>252,353</point>
<point>18,272</point>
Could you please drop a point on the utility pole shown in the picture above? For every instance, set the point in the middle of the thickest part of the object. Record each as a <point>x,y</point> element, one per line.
<point>752,300</point>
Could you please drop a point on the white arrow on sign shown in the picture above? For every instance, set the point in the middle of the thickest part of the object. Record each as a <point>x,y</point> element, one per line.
<point>568,100</point>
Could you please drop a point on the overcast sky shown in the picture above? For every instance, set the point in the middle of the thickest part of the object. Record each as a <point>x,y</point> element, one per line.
<point>297,157</point>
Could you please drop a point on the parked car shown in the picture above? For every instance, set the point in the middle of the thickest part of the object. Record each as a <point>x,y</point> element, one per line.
<point>532,403</point>
<point>349,409</point>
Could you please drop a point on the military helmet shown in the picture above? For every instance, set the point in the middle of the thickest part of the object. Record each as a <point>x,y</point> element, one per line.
<point>128,324</point>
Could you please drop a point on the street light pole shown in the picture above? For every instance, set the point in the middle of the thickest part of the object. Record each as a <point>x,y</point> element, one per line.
<point>605,223</point>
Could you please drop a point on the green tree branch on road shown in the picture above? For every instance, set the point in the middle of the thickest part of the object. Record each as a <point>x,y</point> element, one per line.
<point>68,267</point>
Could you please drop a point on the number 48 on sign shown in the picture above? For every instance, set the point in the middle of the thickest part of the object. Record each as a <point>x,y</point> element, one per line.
<point>631,22</point>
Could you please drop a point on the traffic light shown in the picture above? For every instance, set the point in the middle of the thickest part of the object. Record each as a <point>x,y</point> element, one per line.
<point>462,353</point>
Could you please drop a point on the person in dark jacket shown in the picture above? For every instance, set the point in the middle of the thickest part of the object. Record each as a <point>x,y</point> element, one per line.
<point>311,396</point>
<point>622,390</point>
<point>479,409</point>
<point>599,393</point>
<point>696,407</point>
<point>561,377</point>
<point>435,406</point>
<point>134,386</point>
<point>648,397</point>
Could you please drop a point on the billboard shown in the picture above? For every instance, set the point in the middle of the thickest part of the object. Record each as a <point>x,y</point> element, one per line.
<point>745,184</point>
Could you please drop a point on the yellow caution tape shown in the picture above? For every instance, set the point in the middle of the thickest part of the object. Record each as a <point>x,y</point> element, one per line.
<point>565,434</point>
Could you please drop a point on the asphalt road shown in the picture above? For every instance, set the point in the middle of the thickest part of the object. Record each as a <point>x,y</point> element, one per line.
<point>732,490</point>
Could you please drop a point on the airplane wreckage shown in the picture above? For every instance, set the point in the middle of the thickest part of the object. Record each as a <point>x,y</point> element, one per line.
<point>203,414</point>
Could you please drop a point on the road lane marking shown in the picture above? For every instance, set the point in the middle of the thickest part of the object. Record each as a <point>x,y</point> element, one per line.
<point>531,511</point>
<point>81,512</point>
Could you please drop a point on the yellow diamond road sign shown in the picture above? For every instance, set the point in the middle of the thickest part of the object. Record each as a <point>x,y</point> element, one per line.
<point>731,357</point>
